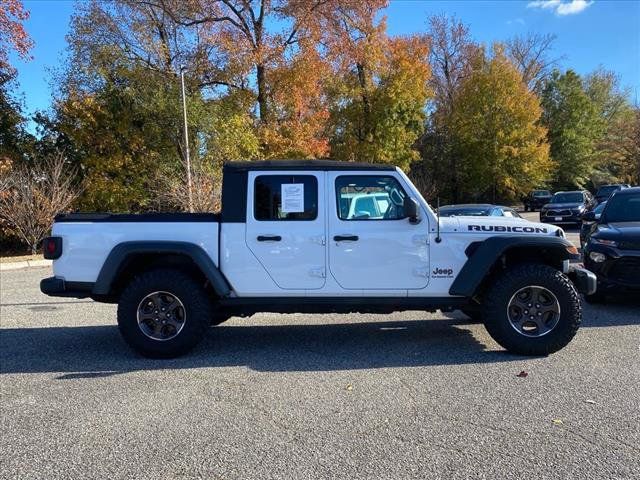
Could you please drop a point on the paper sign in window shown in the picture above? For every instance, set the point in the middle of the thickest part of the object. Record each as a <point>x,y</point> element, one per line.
<point>292,195</point>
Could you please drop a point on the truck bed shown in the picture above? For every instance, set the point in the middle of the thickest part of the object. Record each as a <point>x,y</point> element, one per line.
<point>138,217</point>
<point>88,238</point>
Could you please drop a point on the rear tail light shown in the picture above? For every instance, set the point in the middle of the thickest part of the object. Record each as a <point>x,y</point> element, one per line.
<point>52,247</point>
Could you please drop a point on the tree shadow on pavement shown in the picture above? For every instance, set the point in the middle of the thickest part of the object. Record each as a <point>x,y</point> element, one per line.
<point>98,351</point>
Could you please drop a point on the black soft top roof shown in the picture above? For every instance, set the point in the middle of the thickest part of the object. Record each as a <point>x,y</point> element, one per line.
<point>305,165</point>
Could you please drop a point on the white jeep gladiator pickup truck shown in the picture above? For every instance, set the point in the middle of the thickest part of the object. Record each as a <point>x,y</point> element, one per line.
<point>288,239</point>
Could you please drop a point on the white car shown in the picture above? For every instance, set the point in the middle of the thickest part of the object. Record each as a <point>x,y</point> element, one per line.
<point>292,237</point>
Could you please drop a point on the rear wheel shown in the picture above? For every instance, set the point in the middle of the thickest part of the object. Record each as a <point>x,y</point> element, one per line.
<point>164,313</point>
<point>532,309</point>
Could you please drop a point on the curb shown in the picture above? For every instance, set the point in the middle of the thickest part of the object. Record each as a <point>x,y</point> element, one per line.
<point>25,264</point>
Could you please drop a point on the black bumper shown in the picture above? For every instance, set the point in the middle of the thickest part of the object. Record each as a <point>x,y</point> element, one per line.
<point>57,287</point>
<point>584,280</point>
<point>619,272</point>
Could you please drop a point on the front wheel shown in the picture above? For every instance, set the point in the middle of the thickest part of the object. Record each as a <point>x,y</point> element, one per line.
<point>532,309</point>
<point>164,313</point>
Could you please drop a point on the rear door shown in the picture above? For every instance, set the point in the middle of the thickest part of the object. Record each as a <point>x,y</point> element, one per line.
<point>372,245</point>
<point>286,226</point>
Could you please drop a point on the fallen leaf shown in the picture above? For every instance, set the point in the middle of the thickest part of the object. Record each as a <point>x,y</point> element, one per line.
<point>557,421</point>
<point>349,387</point>
<point>522,374</point>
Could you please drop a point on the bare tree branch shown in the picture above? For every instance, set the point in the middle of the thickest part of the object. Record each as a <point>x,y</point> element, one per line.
<point>30,198</point>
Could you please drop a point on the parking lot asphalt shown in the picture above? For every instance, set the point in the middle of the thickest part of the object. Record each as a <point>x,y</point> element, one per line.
<point>408,395</point>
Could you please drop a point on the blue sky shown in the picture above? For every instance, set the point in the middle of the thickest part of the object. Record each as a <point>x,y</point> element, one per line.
<point>590,34</point>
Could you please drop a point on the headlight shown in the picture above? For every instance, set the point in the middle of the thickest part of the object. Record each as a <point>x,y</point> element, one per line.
<point>602,241</point>
<point>597,257</point>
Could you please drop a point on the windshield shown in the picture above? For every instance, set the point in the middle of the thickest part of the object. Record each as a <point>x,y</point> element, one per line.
<point>623,208</point>
<point>541,193</point>
<point>569,197</point>
<point>464,212</point>
<point>608,190</point>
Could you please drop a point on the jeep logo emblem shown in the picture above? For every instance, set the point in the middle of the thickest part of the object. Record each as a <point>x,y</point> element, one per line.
<point>442,273</point>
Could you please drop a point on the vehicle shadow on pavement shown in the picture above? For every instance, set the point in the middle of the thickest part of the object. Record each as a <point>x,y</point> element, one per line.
<point>618,310</point>
<point>98,351</point>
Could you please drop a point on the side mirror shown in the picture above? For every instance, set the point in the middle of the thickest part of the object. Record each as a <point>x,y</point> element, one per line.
<point>411,209</point>
<point>589,216</point>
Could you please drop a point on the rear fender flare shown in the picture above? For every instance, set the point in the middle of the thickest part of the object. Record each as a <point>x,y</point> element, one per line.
<point>120,254</point>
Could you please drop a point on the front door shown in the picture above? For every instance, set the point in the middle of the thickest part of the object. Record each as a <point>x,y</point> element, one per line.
<point>286,227</point>
<point>372,245</point>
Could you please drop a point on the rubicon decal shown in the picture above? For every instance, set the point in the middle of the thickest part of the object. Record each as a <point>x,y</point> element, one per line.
<point>502,228</point>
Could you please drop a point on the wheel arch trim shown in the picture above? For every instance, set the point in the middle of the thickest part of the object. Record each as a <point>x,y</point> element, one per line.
<point>124,251</point>
<point>485,256</point>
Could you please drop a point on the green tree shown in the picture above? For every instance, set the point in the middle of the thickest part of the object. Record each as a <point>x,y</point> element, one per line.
<point>574,128</point>
<point>11,120</point>
<point>501,146</point>
<point>613,148</point>
<point>451,57</point>
<point>128,138</point>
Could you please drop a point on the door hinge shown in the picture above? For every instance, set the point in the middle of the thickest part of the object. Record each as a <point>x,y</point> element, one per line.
<point>421,272</point>
<point>318,272</point>
<point>319,239</point>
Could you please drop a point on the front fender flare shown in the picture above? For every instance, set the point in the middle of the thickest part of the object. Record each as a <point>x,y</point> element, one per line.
<point>121,252</point>
<point>490,250</point>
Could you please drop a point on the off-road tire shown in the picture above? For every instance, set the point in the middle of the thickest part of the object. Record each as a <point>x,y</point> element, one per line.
<point>497,298</point>
<point>197,305</point>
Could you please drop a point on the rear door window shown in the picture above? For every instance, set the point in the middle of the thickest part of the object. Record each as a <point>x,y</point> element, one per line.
<point>285,197</point>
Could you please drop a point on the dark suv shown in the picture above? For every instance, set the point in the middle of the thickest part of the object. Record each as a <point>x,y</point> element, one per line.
<point>605,191</point>
<point>567,207</point>
<point>536,199</point>
<point>612,251</point>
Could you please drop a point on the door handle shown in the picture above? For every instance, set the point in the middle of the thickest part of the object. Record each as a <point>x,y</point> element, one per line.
<point>269,238</point>
<point>351,238</point>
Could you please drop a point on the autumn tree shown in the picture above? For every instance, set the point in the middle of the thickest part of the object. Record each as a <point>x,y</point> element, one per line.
<point>13,36</point>
<point>128,135</point>
<point>378,93</point>
<point>267,50</point>
<point>500,144</point>
<point>119,106</point>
